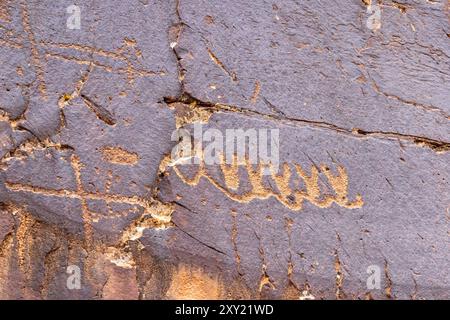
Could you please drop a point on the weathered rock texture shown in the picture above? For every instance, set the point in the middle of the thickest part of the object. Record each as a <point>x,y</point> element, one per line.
<point>85,135</point>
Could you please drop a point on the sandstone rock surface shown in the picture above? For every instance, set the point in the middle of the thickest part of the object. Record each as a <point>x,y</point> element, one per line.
<point>87,117</point>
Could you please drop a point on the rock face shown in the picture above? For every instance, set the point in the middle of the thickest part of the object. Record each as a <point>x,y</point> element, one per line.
<point>94,203</point>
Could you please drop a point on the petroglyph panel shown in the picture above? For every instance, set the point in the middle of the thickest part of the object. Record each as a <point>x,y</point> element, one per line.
<point>344,204</point>
<point>97,200</point>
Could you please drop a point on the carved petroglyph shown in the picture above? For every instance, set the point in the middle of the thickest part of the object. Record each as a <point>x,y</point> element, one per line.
<point>118,155</point>
<point>35,56</point>
<point>120,60</point>
<point>119,55</point>
<point>257,186</point>
<point>155,214</point>
<point>4,11</point>
<point>220,64</point>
